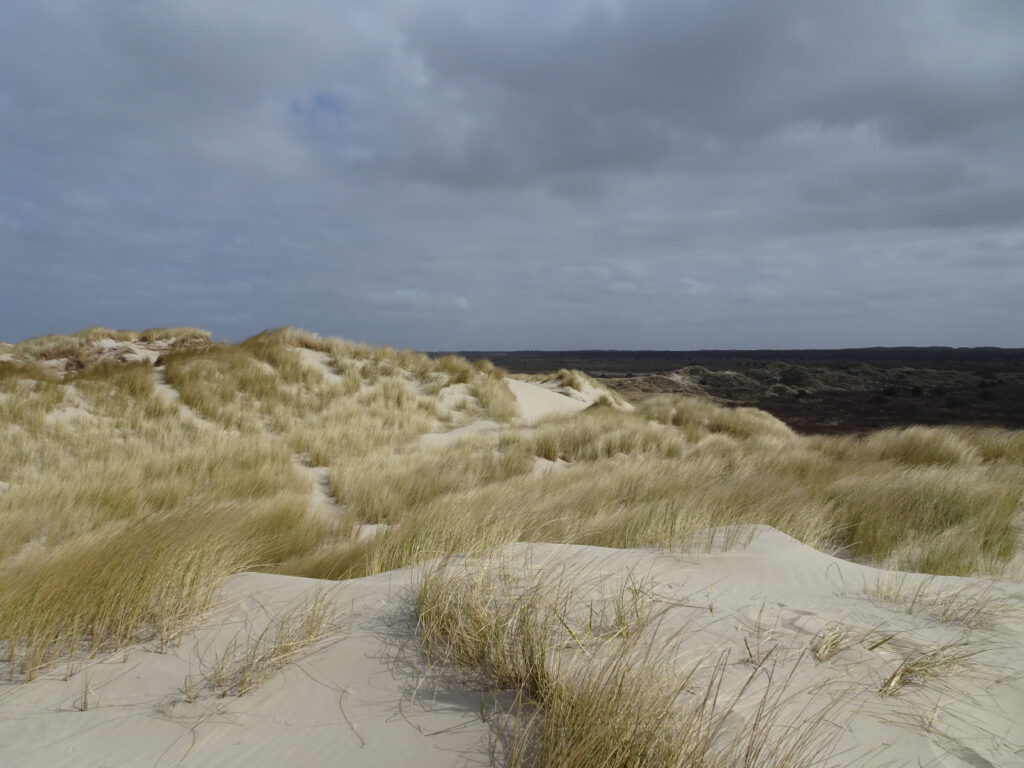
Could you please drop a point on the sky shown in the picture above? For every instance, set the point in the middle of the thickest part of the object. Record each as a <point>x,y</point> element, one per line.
<point>487,174</point>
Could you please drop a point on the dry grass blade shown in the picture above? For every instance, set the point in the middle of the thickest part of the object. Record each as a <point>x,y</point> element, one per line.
<point>508,621</point>
<point>627,705</point>
<point>246,665</point>
<point>831,641</point>
<point>973,605</point>
<point>605,699</point>
<point>933,666</point>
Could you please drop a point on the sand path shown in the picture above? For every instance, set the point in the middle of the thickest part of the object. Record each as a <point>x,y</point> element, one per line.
<point>172,396</point>
<point>322,501</point>
<point>442,439</point>
<point>320,361</point>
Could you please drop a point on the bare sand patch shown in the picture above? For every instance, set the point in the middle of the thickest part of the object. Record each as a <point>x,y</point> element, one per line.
<point>537,402</point>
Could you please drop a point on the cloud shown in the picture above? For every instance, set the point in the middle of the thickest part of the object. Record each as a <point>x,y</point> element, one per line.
<point>414,299</point>
<point>473,174</point>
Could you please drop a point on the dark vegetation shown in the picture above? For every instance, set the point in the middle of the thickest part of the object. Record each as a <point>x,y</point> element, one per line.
<point>816,391</point>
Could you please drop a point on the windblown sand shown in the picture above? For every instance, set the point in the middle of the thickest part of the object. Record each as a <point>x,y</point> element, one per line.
<point>366,698</point>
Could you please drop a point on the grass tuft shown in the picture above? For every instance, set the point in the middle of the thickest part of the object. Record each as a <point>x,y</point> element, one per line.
<point>246,665</point>
<point>975,606</point>
<point>602,699</point>
<point>831,641</point>
<point>934,666</point>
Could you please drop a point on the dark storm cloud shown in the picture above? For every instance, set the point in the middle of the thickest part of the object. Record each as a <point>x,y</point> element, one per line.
<point>702,85</point>
<point>482,174</point>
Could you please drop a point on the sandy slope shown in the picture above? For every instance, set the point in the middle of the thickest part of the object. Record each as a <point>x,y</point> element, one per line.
<point>365,698</point>
<point>353,702</point>
<point>537,402</point>
<point>441,439</point>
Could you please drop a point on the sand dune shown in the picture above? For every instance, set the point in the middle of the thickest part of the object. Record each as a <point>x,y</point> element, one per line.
<point>144,475</point>
<point>537,402</point>
<point>364,696</point>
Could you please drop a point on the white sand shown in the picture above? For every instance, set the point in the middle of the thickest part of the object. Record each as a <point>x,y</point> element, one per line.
<point>366,698</point>
<point>353,702</point>
<point>164,391</point>
<point>364,531</point>
<point>441,439</point>
<point>322,503</point>
<point>133,351</point>
<point>172,397</point>
<point>319,361</point>
<point>537,402</point>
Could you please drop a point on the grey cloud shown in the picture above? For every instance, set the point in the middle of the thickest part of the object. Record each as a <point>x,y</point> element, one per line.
<point>466,173</point>
<point>416,299</point>
<point>738,69</point>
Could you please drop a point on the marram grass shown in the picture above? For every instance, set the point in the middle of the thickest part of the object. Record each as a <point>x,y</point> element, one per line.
<point>124,505</point>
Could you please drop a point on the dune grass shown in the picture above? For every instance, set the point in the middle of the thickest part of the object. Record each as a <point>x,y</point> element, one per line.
<point>698,418</point>
<point>834,639</point>
<point>948,519</point>
<point>935,666</point>
<point>597,433</point>
<point>96,461</point>
<point>512,622</point>
<point>102,470</point>
<point>494,396</point>
<point>80,350</point>
<point>628,708</point>
<point>598,686</point>
<point>630,484</point>
<point>112,587</point>
<point>914,446</point>
<point>385,485</point>
<point>249,662</point>
<point>129,456</point>
<point>119,522</point>
<point>974,605</point>
<point>97,333</point>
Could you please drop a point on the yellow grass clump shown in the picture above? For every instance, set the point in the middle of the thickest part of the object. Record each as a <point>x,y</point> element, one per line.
<point>384,487</point>
<point>597,433</point>
<point>80,349</point>
<point>921,445</point>
<point>252,658</point>
<point>146,578</point>
<point>597,686</point>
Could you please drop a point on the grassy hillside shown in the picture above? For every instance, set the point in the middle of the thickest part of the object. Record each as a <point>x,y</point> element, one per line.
<point>138,470</point>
